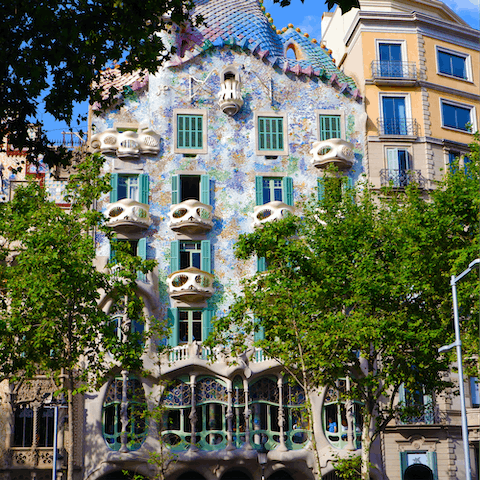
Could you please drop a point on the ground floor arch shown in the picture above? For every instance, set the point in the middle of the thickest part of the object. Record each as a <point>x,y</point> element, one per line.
<point>418,472</point>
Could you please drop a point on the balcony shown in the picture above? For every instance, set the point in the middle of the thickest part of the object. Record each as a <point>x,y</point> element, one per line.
<point>31,457</point>
<point>401,178</point>
<point>190,285</point>
<point>425,415</point>
<point>333,151</point>
<point>394,73</point>
<point>473,421</point>
<point>128,216</point>
<point>191,217</point>
<point>270,211</point>
<point>230,97</point>
<point>397,127</point>
<point>127,144</point>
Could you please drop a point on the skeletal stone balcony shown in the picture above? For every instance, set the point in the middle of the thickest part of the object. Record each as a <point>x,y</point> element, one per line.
<point>230,96</point>
<point>190,285</point>
<point>128,216</point>
<point>333,151</point>
<point>271,211</point>
<point>191,217</point>
<point>127,144</point>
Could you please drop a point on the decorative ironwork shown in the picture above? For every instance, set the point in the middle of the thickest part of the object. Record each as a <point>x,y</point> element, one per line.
<point>401,178</point>
<point>208,390</point>
<point>428,414</point>
<point>397,126</point>
<point>394,70</point>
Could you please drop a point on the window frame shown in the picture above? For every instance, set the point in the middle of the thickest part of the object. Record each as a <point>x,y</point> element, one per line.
<point>465,56</point>
<point>271,153</point>
<point>402,43</point>
<point>453,103</point>
<point>337,113</point>
<point>193,112</point>
<point>203,187</point>
<point>287,188</point>
<point>142,187</point>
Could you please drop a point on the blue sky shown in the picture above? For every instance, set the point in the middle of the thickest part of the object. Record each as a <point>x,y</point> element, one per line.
<point>307,16</point>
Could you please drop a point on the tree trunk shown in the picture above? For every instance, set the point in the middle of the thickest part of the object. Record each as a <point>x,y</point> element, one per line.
<point>70,428</point>
<point>366,444</point>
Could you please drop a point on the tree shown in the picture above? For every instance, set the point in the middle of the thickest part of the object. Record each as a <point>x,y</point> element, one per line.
<point>50,321</point>
<point>57,49</point>
<point>360,290</point>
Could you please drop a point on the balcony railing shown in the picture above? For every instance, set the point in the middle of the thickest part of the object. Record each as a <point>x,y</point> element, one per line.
<point>270,211</point>
<point>425,415</point>
<point>394,70</point>
<point>397,126</point>
<point>401,178</point>
<point>128,215</point>
<point>333,151</point>
<point>191,216</point>
<point>190,284</point>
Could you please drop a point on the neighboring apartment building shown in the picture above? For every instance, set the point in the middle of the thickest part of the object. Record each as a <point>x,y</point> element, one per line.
<point>417,64</point>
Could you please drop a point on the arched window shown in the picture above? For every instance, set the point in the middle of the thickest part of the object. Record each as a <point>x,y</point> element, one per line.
<point>29,420</point>
<point>335,421</point>
<point>23,428</point>
<point>296,418</point>
<point>176,429</point>
<point>133,397</point>
<point>211,400</point>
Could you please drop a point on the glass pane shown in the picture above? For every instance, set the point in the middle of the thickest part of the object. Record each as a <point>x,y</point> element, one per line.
<point>197,331</point>
<point>183,332</point>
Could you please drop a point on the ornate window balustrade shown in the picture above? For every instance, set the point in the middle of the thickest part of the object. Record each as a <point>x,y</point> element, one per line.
<point>190,284</point>
<point>393,70</point>
<point>401,178</point>
<point>191,217</point>
<point>271,211</point>
<point>397,127</point>
<point>333,151</point>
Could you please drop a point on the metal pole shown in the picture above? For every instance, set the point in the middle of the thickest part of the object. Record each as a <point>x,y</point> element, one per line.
<point>458,341</point>
<point>55,442</point>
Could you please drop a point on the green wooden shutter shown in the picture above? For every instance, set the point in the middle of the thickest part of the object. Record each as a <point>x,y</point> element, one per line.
<point>113,244</point>
<point>330,127</point>
<point>260,333</point>
<point>142,253</point>
<point>288,190</point>
<point>207,316</point>
<point>174,256</point>
<point>403,463</point>
<point>144,188</point>
<point>205,189</point>
<point>114,185</point>
<point>259,190</point>
<point>401,395</point>
<point>320,189</point>
<point>261,264</point>
<point>175,189</point>
<point>432,463</point>
<point>347,186</point>
<point>261,133</point>
<point>270,133</point>
<point>173,323</point>
<point>190,131</point>
<point>206,264</point>
<point>428,409</point>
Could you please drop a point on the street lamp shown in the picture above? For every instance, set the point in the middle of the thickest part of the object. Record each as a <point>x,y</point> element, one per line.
<point>262,453</point>
<point>458,345</point>
<point>50,402</point>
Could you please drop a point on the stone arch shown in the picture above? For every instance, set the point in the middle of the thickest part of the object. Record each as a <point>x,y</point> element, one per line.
<point>280,475</point>
<point>191,475</point>
<point>418,472</point>
<point>235,475</point>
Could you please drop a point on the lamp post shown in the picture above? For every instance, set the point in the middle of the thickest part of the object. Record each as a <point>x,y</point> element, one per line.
<point>55,405</point>
<point>458,344</point>
<point>262,453</point>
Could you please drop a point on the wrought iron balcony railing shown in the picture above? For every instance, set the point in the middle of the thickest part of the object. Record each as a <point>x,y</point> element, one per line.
<point>401,178</point>
<point>394,70</point>
<point>422,414</point>
<point>397,126</point>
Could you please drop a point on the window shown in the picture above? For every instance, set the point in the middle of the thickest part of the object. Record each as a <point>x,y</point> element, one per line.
<point>29,420</point>
<point>271,139</point>
<point>398,166</point>
<point>269,189</point>
<point>418,406</point>
<point>188,325</point>
<point>458,116</point>
<point>451,63</point>
<point>114,415</point>
<point>118,321</point>
<point>190,187</point>
<point>418,464</point>
<point>134,187</point>
<point>190,131</point>
<point>23,428</point>
<point>330,126</point>
<point>390,56</point>
<point>335,188</point>
<point>396,118</point>
<point>474,392</point>
<point>185,254</point>
<point>133,247</point>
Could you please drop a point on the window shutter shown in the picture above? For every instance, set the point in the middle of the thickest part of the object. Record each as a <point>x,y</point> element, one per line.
<point>205,189</point>
<point>142,248</point>
<point>206,254</point>
<point>347,189</point>
<point>173,324</point>
<point>278,141</point>
<point>259,190</point>
<point>174,256</point>
<point>175,189</point>
<point>403,463</point>
<point>401,395</point>
<point>392,159</point>
<point>144,188</point>
<point>432,463</point>
<point>288,190</point>
<point>114,185</point>
<point>207,316</point>
<point>260,333</point>
<point>428,409</point>
<point>113,243</point>
<point>320,189</point>
<point>261,264</point>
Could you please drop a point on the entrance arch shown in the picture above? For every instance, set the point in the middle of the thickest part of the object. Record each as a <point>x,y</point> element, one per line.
<point>191,476</point>
<point>418,472</point>
<point>235,475</point>
<point>280,475</point>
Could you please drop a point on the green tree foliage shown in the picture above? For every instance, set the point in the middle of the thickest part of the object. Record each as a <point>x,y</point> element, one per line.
<point>359,288</point>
